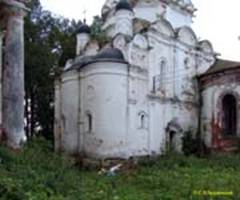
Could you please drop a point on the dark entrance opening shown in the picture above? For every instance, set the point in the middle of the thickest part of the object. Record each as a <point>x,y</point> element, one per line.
<point>229,115</point>
<point>172,135</point>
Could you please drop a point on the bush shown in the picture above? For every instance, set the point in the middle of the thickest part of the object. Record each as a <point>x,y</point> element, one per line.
<point>193,146</point>
<point>38,173</point>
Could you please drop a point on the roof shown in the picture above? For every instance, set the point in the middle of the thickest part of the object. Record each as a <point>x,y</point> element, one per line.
<point>110,53</point>
<point>124,5</point>
<point>105,55</point>
<point>222,65</point>
<point>84,29</point>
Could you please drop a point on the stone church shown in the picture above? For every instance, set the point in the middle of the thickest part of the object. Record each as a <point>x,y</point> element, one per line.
<point>151,82</point>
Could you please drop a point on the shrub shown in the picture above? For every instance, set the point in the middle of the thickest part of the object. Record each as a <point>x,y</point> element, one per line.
<point>38,173</point>
<point>192,145</point>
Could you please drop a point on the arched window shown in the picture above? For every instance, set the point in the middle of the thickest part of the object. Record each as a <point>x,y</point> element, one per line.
<point>229,106</point>
<point>187,63</point>
<point>160,79</point>
<point>89,122</point>
<point>143,120</point>
<point>162,73</point>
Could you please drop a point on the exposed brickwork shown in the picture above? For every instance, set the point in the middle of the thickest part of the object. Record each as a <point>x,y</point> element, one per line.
<point>224,83</point>
<point>220,78</point>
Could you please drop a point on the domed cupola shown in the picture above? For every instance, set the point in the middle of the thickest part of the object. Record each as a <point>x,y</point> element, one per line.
<point>124,18</point>
<point>124,5</point>
<point>83,37</point>
<point>84,29</point>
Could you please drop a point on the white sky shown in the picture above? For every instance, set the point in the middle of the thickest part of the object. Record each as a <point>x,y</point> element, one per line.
<point>216,20</point>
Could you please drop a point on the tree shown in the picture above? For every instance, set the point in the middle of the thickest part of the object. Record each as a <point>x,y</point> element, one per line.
<point>97,33</point>
<point>49,42</point>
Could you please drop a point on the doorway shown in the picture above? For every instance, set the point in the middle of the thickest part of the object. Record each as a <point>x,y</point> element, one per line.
<point>229,106</point>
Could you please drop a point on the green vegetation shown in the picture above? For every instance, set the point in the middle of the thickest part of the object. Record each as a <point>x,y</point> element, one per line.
<point>49,42</point>
<point>97,34</point>
<point>39,174</point>
<point>193,145</point>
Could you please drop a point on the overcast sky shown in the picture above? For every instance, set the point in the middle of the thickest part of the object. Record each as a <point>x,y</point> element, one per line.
<point>216,20</point>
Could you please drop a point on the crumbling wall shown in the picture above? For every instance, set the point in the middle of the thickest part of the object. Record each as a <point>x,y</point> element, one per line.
<point>213,88</point>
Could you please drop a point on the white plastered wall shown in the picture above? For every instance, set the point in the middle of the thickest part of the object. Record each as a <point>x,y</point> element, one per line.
<point>69,111</point>
<point>104,96</point>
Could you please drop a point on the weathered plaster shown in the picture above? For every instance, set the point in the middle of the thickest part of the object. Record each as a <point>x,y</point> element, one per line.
<point>214,88</point>
<point>11,19</point>
<point>139,107</point>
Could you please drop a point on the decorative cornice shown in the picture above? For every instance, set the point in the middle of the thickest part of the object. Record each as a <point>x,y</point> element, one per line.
<point>188,7</point>
<point>171,100</point>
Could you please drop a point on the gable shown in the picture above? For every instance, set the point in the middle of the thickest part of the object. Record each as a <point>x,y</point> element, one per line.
<point>186,35</point>
<point>140,42</point>
<point>206,46</point>
<point>164,27</point>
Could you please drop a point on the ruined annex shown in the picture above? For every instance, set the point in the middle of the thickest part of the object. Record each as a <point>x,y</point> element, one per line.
<point>152,81</point>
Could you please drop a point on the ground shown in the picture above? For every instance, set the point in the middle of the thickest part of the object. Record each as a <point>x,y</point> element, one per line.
<point>39,174</point>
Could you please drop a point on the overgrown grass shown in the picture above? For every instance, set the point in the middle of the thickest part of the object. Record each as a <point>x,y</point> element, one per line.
<point>39,174</point>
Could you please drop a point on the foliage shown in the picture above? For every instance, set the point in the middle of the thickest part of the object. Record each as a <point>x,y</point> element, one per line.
<point>193,145</point>
<point>38,173</point>
<point>189,143</point>
<point>97,33</point>
<point>49,42</point>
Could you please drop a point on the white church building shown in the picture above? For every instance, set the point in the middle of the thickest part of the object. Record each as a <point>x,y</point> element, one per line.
<point>140,92</point>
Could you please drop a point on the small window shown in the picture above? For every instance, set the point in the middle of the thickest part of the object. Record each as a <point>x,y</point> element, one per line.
<point>143,120</point>
<point>89,122</point>
<point>187,63</point>
<point>162,74</point>
<point>162,67</point>
<point>160,79</point>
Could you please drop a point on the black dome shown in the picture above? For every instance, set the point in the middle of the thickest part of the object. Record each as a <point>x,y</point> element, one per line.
<point>84,29</point>
<point>123,5</point>
<point>110,53</point>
